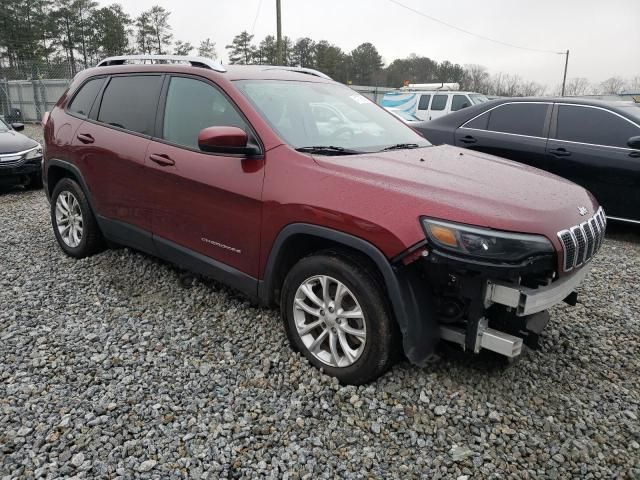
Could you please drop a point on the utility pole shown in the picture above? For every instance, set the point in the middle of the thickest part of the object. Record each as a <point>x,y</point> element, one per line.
<point>566,64</point>
<point>279,34</point>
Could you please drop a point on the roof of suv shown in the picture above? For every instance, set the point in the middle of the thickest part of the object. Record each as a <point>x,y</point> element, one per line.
<point>233,72</point>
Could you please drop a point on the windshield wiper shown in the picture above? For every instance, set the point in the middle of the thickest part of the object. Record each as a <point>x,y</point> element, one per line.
<point>328,150</point>
<point>400,146</point>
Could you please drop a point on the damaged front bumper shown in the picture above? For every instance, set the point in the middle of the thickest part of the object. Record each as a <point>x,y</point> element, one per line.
<point>527,301</point>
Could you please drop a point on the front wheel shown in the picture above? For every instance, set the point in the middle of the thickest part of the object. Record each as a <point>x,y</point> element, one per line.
<point>336,315</point>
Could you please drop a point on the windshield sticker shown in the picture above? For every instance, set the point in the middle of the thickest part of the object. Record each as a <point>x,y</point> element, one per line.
<point>359,99</point>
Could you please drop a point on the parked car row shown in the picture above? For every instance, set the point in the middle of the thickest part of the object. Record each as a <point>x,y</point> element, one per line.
<point>20,157</point>
<point>430,101</point>
<point>593,143</point>
<point>302,193</point>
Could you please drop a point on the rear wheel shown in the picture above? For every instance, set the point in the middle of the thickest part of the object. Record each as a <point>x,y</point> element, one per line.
<point>73,222</point>
<point>336,315</point>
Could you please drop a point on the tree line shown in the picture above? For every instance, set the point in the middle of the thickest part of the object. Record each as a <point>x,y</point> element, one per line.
<point>36,36</point>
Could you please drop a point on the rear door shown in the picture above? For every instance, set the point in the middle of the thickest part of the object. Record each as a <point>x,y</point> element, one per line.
<point>439,106</point>
<point>517,131</point>
<point>588,145</point>
<point>112,144</point>
<point>203,203</point>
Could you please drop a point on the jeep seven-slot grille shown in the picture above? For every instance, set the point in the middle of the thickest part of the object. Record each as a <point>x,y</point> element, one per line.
<point>581,242</point>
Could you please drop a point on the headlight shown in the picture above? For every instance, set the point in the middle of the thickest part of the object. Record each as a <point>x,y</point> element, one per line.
<point>485,243</point>
<point>33,153</point>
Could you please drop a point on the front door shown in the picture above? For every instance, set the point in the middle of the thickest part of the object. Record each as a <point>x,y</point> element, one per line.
<point>517,131</point>
<point>205,205</point>
<point>589,147</point>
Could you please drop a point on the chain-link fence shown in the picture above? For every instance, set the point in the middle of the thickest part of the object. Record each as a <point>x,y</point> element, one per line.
<point>29,90</point>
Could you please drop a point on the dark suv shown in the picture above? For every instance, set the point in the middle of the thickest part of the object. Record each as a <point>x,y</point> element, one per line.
<point>363,233</point>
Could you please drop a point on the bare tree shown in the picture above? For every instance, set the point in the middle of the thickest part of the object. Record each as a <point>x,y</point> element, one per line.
<point>612,85</point>
<point>477,78</point>
<point>577,86</point>
<point>634,84</point>
<point>532,89</point>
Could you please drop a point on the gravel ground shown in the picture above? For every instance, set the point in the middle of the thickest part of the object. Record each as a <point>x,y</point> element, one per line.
<point>110,368</point>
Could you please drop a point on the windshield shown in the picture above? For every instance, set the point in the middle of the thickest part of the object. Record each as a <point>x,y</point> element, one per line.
<point>3,126</point>
<point>477,98</point>
<point>309,114</point>
<point>409,117</point>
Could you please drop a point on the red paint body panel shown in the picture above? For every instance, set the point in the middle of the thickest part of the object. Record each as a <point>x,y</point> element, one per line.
<point>242,204</point>
<point>208,203</point>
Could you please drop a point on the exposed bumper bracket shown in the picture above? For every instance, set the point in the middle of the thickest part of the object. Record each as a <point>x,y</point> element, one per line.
<point>527,300</point>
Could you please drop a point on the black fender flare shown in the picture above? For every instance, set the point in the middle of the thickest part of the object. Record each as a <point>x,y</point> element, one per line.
<point>408,294</point>
<point>70,167</point>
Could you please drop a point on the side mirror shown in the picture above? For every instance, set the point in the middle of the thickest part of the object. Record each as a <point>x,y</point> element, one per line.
<point>18,127</point>
<point>634,142</point>
<point>225,140</point>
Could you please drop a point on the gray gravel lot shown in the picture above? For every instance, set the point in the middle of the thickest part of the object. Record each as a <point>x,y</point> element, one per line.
<point>110,368</point>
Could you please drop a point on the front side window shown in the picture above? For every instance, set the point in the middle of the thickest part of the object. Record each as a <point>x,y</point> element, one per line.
<point>459,102</point>
<point>309,114</point>
<point>519,118</point>
<point>423,104</point>
<point>82,102</point>
<point>593,125</point>
<point>439,102</point>
<point>130,102</point>
<point>193,105</point>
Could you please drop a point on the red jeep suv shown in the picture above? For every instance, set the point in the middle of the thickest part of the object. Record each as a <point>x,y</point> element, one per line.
<point>298,191</point>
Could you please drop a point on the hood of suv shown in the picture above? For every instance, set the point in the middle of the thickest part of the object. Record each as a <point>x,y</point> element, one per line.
<point>11,142</point>
<point>470,187</point>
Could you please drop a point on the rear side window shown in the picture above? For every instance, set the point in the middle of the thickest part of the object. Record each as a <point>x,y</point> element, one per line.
<point>193,105</point>
<point>424,102</point>
<point>130,102</point>
<point>82,102</point>
<point>593,125</point>
<point>480,122</point>
<point>439,102</point>
<point>519,118</point>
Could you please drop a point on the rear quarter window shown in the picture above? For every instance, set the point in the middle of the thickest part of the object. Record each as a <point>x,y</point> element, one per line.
<point>130,102</point>
<point>83,100</point>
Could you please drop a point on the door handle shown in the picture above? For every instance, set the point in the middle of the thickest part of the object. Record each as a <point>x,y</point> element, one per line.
<point>635,154</point>
<point>162,159</point>
<point>560,152</point>
<point>85,138</point>
<point>468,139</point>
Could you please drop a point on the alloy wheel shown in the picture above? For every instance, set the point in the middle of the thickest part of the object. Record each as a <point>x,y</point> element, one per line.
<point>69,219</point>
<point>329,321</point>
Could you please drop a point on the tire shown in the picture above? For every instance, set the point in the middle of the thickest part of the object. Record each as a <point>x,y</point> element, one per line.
<point>89,241</point>
<point>369,339</point>
<point>35,181</point>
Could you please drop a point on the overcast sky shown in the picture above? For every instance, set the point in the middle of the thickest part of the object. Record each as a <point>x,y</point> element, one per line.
<point>603,37</point>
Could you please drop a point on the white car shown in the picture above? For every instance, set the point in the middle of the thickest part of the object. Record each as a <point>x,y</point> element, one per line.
<point>428,101</point>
